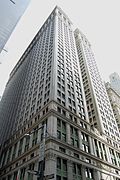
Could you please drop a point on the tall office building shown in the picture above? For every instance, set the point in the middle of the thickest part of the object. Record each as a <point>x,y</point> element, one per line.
<point>115,102</point>
<point>99,108</point>
<point>115,82</point>
<point>46,91</point>
<point>10,13</point>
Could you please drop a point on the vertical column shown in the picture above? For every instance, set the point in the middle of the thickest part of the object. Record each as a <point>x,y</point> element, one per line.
<point>17,149</point>
<point>23,146</point>
<point>80,139</point>
<point>68,133</point>
<point>50,164</point>
<point>35,169</point>
<point>115,156</point>
<point>108,154</point>
<point>69,170</point>
<point>99,149</point>
<point>52,126</point>
<point>96,174</point>
<point>92,150</point>
<point>11,153</point>
<point>31,137</point>
<point>26,173</point>
<point>54,62</point>
<point>93,146</point>
<point>6,157</point>
<point>39,134</point>
<point>1,160</point>
<point>83,172</point>
<point>18,174</point>
<point>117,159</point>
<point>103,152</point>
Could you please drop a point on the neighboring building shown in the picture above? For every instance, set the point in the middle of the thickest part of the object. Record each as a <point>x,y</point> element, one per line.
<point>10,13</point>
<point>115,82</point>
<point>46,89</point>
<point>99,109</point>
<point>115,102</point>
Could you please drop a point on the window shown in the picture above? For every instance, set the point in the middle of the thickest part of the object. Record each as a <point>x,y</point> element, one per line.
<point>61,168</point>
<point>31,167</point>
<point>27,143</point>
<point>74,136</point>
<point>22,173</point>
<point>15,175</point>
<point>61,130</point>
<point>89,173</point>
<point>85,142</point>
<point>112,155</point>
<point>14,151</point>
<point>118,158</point>
<point>9,154</point>
<point>35,136</point>
<point>76,171</point>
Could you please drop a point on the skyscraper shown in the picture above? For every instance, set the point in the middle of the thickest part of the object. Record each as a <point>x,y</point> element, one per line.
<point>10,13</point>
<point>45,97</point>
<point>115,82</point>
<point>115,102</point>
<point>99,108</point>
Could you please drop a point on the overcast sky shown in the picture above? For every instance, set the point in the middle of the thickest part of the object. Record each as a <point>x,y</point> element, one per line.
<point>99,20</point>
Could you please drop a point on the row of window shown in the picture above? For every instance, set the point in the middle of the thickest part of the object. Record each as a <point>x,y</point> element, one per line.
<point>77,171</point>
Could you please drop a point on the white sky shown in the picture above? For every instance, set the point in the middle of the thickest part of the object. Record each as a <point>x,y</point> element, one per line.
<point>99,20</point>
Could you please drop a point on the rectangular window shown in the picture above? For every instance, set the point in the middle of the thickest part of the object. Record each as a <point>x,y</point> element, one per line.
<point>112,155</point>
<point>76,171</point>
<point>61,168</point>
<point>89,173</point>
<point>27,144</point>
<point>35,136</point>
<point>22,173</point>
<point>61,130</point>
<point>74,136</point>
<point>9,154</point>
<point>14,151</point>
<point>85,142</point>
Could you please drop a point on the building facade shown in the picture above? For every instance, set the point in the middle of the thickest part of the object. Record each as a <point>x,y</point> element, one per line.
<point>99,108</point>
<point>48,91</point>
<point>115,102</point>
<point>115,82</point>
<point>10,13</point>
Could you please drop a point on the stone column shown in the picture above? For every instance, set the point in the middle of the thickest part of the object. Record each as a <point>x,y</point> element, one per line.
<point>16,155</point>
<point>26,174</point>
<point>80,139</point>
<point>83,172</point>
<point>68,133</point>
<point>69,170</point>
<point>35,169</point>
<point>11,153</point>
<point>108,154</point>
<point>98,149</point>
<point>103,152</point>
<point>50,164</point>
<point>23,146</point>
<point>93,146</point>
<point>52,126</point>
<point>18,174</point>
<point>96,174</point>
<point>31,138</point>
<point>39,134</point>
<point>92,150</point>
<point>116,158</point>
<point>6,157</point>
